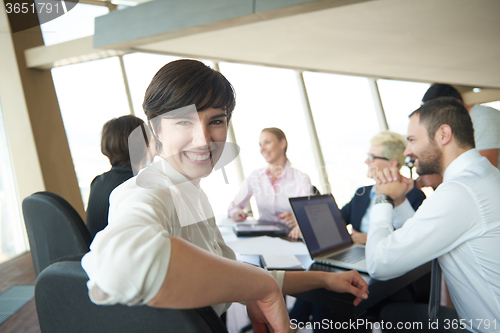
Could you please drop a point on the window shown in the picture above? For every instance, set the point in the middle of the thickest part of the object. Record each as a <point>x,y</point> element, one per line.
<point>400,98</point>
<point>12,234</point>
<point>345,121</point>
<point>141,67</point>
<point>89,94</point>
<point>268,97</point>
<point>495,105</point>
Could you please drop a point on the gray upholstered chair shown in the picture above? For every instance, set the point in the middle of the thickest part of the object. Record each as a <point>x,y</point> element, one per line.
<point>54,229</point>
<point>63,305</point>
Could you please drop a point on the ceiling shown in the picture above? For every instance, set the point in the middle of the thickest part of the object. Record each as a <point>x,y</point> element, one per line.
<point>453,41</point>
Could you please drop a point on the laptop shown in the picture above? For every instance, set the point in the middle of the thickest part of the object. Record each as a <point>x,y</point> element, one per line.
<point>325,234</point>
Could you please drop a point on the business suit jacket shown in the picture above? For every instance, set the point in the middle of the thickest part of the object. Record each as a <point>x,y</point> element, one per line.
<point>354,211</point>
<point>100,189</point>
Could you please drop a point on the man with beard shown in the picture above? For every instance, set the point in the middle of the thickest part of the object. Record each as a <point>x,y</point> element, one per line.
<point>459,224</point>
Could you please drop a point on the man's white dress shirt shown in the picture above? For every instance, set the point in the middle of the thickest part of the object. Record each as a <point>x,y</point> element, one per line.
<point>460,225</point>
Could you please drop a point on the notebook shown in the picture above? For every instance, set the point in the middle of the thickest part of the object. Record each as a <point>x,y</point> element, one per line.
<point>325,234</point>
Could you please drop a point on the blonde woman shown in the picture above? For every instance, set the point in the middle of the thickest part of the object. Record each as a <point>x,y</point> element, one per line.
<point>273,184</point>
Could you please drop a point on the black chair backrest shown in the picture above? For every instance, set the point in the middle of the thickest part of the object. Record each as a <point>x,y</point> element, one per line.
<point>54,229</point>
<point>63,305</point>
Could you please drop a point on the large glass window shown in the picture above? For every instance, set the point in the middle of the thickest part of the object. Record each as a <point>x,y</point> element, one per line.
<point>141,67</point>
<point>400,98</point>
<point>269,97</point>
<point>495,105</point>
<point>77,23</point>
<point>345,121</point>
<point>89,94</point>
<point>12,234</point>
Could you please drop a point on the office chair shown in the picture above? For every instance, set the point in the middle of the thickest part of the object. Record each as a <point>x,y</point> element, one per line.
<point>63,305</point>
<point>54,229</point>
<point>315,190</point>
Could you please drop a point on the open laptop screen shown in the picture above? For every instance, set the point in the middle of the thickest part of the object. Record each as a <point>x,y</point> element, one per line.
<point>321,223</point>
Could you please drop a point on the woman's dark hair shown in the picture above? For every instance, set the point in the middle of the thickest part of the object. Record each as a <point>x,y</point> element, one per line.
<point>114,140</point>
<point>185,82</point>
<point>437,90</point>
<point>278,134</point>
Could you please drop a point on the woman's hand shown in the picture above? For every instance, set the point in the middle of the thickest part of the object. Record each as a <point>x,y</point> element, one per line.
<point>295,233</point>
<point>347,282</point>
<point>288,219</point>
<point>239,216</point>
<point>358,237</point>
<point>271,311</point>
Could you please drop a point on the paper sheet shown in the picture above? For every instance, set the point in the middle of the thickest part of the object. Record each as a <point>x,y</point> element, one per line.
<point>281,261</point>
<point>266,245</point>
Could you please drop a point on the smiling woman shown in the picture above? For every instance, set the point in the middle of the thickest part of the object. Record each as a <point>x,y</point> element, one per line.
<point>272,185</point>
<point>161,219</point>
<point>191,141</point>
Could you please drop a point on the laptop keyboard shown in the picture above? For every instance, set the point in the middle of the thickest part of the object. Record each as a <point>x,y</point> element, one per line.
<point>350,256</point>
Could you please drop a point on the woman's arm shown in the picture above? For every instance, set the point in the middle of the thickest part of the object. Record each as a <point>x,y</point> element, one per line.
<point>347,282</point>
<point>240,201</point>
<point>198,278</point>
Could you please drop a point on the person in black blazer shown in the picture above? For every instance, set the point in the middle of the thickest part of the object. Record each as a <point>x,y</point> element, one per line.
<point>355,209</point>
<point>114,145</point>
<point>386,151</point>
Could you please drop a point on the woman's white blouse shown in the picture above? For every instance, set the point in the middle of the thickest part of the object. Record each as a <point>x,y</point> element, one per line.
<point>272,199</point>
<point>128,260</point>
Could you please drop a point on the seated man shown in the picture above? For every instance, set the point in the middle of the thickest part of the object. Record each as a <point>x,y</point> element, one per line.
<point>459,224</point>
<point>386,151</point>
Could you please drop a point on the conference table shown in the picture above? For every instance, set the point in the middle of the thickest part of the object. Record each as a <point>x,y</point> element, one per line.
<point>340,304</point>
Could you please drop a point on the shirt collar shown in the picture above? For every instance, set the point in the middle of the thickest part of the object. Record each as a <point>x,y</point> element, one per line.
<point>372,192</point>
<point>265,171</point>
<point>160,174</point>
<point>460,163</point>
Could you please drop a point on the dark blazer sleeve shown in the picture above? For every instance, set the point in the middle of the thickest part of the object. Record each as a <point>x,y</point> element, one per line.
<point>346,212</point>
<point>415,197</point>
<point>354,211</point>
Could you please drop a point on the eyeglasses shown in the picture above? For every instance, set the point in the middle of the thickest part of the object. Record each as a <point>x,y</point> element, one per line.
<point>371,158</point>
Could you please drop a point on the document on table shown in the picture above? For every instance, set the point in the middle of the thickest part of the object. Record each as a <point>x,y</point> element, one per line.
<point>266,245</point>
<point>281,262</point>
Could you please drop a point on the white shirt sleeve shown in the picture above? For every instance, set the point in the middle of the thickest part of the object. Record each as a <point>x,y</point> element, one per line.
<point>401,214</point>
<point>128,260</point>
<point>241,199</point>
<point>279,276</point>
<point>441,223</point>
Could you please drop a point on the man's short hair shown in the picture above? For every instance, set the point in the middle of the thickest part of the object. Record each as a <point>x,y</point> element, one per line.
<point>449,111</point>
<point>437,90</point>
<point>393,144</point>
<point>114,141</point>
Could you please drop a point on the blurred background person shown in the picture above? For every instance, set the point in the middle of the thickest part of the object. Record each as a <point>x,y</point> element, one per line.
<point>114,145</point>
<point>386,151</point>
<point>273,184</point>
<point>486,121</point>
